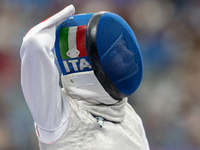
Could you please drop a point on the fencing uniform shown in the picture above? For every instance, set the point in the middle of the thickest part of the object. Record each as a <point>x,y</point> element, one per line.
<point>84,114</point>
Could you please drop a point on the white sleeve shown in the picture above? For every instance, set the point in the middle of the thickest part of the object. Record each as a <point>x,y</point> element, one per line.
<point>40,78</point>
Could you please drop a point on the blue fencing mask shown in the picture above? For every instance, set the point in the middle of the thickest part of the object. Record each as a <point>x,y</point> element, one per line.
<point>105,43</point>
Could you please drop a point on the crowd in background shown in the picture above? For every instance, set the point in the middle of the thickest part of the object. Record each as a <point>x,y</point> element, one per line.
<point>168,100</point>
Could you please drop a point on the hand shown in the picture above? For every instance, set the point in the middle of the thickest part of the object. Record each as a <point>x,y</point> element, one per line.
<point>42,36</point>
<point>53,21</point>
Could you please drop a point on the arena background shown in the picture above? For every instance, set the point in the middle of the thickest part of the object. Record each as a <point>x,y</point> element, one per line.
<point>168,100</point>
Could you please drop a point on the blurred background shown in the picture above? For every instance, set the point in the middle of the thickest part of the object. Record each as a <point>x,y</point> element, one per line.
<point>168,100</point>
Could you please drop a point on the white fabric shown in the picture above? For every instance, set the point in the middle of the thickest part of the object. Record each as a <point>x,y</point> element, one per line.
<point>40,77</point>
<point>40,84</point>
<point>85,133</point>
<point>85,85</point>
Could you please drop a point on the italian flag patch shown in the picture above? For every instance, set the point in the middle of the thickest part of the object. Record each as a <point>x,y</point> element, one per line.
<point>72,42</point>
<point>73,56</point>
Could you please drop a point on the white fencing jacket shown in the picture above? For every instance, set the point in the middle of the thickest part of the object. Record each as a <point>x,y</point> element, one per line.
<point>51,106</point>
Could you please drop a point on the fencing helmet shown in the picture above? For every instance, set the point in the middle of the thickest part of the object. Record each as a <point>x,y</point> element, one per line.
<point>102,42</point>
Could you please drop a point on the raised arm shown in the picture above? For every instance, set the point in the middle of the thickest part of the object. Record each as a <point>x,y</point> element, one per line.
<point>40,76</point>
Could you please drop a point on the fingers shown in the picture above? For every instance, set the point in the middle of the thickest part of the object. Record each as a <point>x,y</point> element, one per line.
<point>53,21</point>
<point>60,16</point>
